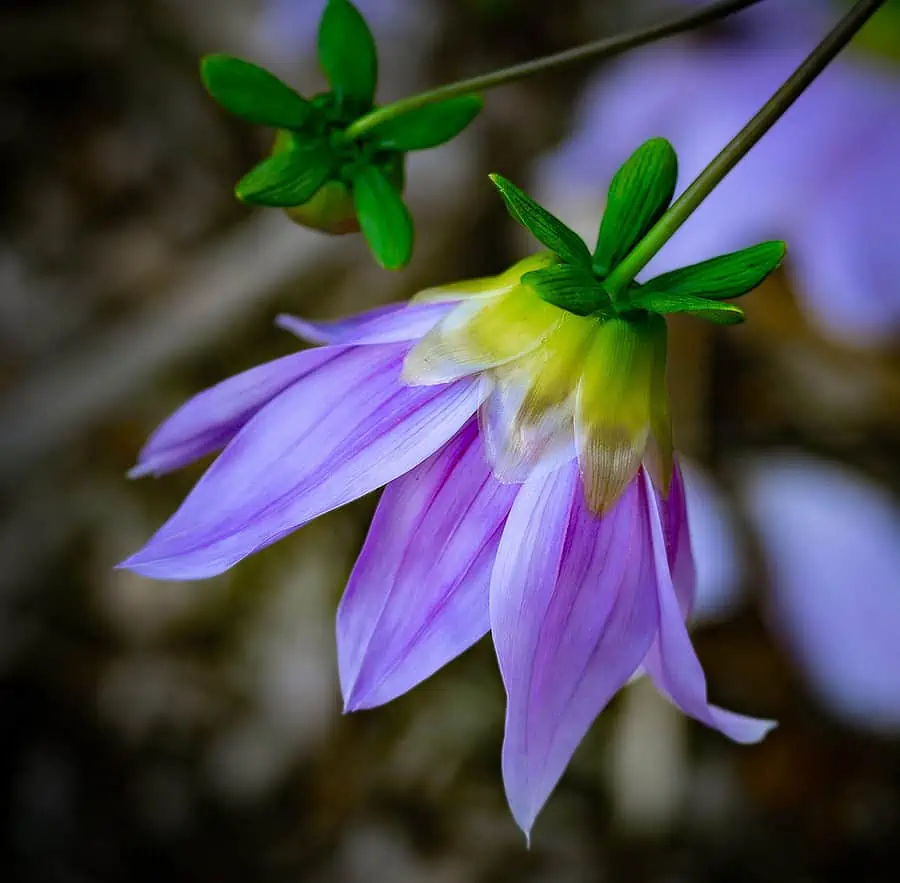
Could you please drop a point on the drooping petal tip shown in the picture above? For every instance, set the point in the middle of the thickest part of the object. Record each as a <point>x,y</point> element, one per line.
<point>672,662</point>
<point>573,613</point>
<point>208,421</point>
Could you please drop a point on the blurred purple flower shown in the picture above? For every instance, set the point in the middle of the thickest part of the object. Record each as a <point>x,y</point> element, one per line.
<point>718,554</point>
<point>832,546</point>
<point>825,178</point>
<point>290,26</point>
<point>575,602</point>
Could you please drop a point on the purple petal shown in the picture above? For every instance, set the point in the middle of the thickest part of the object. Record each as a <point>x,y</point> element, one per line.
<point>209,420</point>
<point>832,544</point>
<point>573,613</point>
<point>393,323</point>
<point>679,554</point>
<point>340,432</point>
<point>418,595</point>
<point>673,663</point>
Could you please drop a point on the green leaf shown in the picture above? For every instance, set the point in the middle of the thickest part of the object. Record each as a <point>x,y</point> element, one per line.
<point>289,178</point>
<point>347,52</point>
<point>383,218</point>
<point>729,275</point>
<point>427,126</point>
<point>710,310</point>
<point>638,195</point>
<point>253,94</point>
<point>546,228</point>
<point>571,288</point>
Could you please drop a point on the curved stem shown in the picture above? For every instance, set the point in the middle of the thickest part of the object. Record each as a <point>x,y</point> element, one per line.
<point>598,49</point>
<point>739,146</point>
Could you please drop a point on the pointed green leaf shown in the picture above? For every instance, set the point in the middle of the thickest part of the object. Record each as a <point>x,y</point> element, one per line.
<point>427,126</point>
<point>729,275</point>
<point>384,219</point>
<point>638,195</point>
<point>347,52</point>
<point>546,228</point>
<point>571,288</point>
<point>253,94</point>
<point>289,178</point>
<point>710,310</point>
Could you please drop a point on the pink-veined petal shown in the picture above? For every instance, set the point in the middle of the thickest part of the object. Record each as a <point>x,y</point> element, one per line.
<point>573,613</point>
<point>339,433</point>
<point>418,595</point>
<point>393,323</point>
<point>672,662</point>
<point>208,421</point>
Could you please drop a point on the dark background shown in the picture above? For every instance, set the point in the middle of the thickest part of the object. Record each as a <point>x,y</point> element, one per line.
<point>193,732</point>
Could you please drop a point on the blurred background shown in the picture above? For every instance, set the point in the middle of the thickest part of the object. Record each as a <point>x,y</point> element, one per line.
<point>193,730</point>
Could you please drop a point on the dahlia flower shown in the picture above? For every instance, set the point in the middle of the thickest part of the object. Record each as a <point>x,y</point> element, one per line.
<point>531,487</point>
<point>516,504</point>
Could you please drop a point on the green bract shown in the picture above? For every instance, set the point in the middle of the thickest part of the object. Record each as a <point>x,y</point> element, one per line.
<point>639,195</point>
<point>324,177</point>
<point>428,126</point>
<point>699,307</point>
<point>384,219</point>
<point>347,52</point>
<point>546,228</point>
<point>253,94</point>
<point>289,177</point>
<point>729,275</point>
<point>571,287</point>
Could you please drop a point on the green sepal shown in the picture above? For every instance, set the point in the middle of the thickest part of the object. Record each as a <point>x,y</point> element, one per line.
<point>547,229</point>
<point>253,94</point>
<point>572,288</point>
<point>729,275</point>
<point>639,194</point>
<point>288,178</point>
<point>427,126</point>
<point>698,307</point>
<point>383,217</point>
<point>347,52</point>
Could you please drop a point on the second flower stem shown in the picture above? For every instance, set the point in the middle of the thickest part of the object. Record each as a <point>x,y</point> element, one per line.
<point>604,48</point>
<point>619,279</point>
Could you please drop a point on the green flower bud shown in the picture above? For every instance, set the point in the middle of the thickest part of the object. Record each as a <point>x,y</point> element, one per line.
<point>331,210</point>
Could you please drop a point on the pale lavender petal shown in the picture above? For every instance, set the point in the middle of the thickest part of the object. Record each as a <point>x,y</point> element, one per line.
<point>672,662</point>
<point>418,595</point>
<point>573,613</point>
<point>209,420</point>
<point>519,443</point>
<point>832,545</point>
<point>393,323</point>
<point>337,434</point>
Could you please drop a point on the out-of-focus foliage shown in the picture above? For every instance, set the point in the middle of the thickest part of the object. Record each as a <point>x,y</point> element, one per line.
<point>193,731</point>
